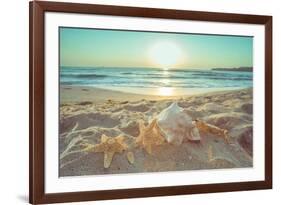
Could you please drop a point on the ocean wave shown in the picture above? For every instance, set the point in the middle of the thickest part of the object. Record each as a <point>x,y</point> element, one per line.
<point>188,71</point>
<point>83,76</point>
<point>209,74</point>
<point>198,77</point>
<point>154,78</point>
<point>228,78</point>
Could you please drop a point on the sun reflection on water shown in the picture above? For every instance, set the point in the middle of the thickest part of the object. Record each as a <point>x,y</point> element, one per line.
<point>165,82</point>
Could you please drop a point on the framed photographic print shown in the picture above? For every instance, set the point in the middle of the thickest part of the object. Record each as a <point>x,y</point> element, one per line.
<point>138,102</point>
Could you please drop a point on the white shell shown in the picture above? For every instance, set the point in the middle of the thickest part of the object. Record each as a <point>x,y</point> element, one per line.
<point>176,125</point>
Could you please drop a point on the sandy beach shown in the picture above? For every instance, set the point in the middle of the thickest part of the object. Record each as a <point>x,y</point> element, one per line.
<point>87,113</point>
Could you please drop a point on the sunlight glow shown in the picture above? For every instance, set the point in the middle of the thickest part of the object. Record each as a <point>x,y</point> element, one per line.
<point>165,82</point>
<point>165,72</point>
<point>165,54</point>
<point>165,91</point>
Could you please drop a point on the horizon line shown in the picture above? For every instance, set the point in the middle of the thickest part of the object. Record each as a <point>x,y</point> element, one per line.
<point>154,67</point>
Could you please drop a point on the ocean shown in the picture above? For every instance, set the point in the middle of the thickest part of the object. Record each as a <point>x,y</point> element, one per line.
<point>152,78</point>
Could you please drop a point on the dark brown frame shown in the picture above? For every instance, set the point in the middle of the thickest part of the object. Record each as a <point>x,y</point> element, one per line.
<point>37,9</point>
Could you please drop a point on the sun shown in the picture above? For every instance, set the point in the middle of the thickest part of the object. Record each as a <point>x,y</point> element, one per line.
<point>165,54</point>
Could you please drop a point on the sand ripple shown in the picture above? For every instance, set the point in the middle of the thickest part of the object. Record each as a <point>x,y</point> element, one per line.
<point>85,122</point>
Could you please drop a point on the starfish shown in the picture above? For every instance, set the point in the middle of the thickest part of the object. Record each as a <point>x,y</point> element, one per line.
<point>149,136</point>
<point>212,129</point>
<point>109,146</point>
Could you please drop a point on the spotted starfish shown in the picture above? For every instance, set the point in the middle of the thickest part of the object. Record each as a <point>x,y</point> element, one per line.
<point>109,146</point>
<point>149,136</point>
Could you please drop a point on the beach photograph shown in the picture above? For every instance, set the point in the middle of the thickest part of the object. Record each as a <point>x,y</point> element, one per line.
<point>143,101</point>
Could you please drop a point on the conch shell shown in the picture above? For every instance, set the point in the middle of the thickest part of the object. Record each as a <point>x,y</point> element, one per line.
<point>130,157</point>
<point>176,125</point>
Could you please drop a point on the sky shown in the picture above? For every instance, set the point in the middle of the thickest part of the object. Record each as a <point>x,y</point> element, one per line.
<point>114,48</point>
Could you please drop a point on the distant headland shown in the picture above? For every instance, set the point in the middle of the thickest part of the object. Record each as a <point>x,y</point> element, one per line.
<point>245,69</point>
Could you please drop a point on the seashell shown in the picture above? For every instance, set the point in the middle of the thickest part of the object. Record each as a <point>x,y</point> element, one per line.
<point>212,129</point>
<point>130,157</point>
<point>176,125</point>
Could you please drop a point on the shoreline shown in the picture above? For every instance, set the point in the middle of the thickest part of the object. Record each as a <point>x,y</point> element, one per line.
<point>76,94</point>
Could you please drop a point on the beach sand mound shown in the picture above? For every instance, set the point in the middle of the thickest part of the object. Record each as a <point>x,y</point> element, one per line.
<point>88,120</point>
<point>211,107</point>
<point>228,120</point>
<point>246,107</point>
<point>85,122</point>
<point>139,107</point>
<point>131,128</point>
<point>244,136</point>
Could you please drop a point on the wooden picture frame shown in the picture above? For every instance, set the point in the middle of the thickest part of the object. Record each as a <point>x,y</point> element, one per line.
<point>37,10</point>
